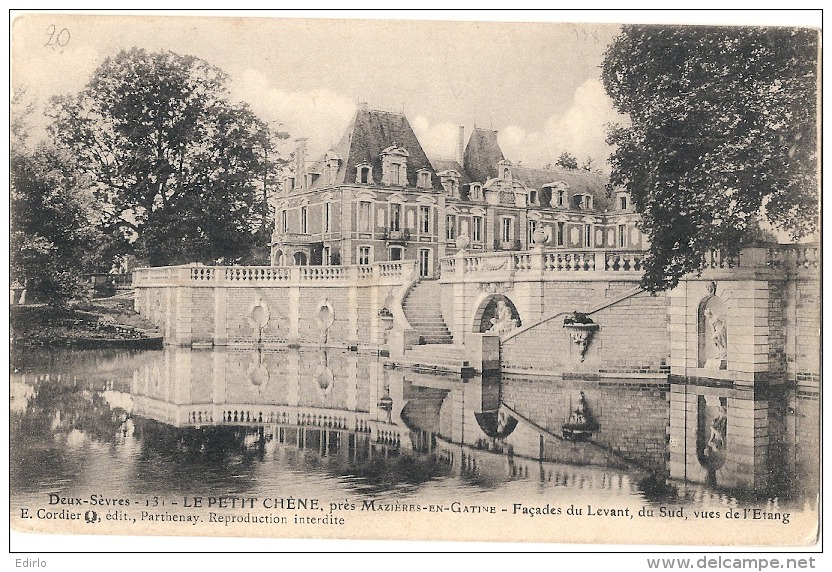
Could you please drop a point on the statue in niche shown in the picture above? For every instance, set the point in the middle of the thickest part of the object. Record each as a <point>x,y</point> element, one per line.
<point>718,332</point>
<point>502,321</point>
<point>324,317</point>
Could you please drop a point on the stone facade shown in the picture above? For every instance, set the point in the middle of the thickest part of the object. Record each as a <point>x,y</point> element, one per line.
<point>376,196</point>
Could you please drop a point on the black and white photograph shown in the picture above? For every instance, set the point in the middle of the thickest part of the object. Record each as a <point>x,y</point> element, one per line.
<point>401,279</point>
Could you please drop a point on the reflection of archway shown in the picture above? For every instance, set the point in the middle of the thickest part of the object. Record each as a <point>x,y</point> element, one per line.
<point>712,333</point>
<point>487,311</point>
<point>300,259</point>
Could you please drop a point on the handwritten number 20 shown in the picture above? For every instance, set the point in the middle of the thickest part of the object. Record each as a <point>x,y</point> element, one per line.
<point>57,38</point>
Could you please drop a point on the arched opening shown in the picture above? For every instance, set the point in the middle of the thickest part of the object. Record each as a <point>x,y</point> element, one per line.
<point>278,258</point>
<point>712,333</point>
<point>496,314</point>
<point>300,259</point>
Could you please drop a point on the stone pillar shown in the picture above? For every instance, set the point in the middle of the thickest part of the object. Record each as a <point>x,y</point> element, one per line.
<point>441,228</point>
<point>373,312</point>
<point>682,330</point>
<point>747,444</point>
<point>220,315</point>
<point>219,381</point>
<point>681,443</point>
<point>747,328</point>
<point>183,310</point>
<point>294,314</point>
<point>353,309</point>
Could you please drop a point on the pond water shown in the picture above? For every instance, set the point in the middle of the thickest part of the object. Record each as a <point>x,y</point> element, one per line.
<point>315,443</point>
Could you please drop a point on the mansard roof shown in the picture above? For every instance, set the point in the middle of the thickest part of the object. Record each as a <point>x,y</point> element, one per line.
<point>440,165</point>
<point>369,134</point>
<point>482,154</point>
<point>579,182</point>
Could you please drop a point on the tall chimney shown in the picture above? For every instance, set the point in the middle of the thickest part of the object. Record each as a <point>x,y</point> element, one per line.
<point>460,148</point>
<point>300,163</point>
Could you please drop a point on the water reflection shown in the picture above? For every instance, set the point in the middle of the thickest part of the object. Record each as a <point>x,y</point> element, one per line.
<point>251,420</point>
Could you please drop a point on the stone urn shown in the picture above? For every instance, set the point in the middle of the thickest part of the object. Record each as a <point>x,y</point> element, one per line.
<point>581,328</point>
<point>462,242</point>
<point>581,334</point>
<point>539,236</point>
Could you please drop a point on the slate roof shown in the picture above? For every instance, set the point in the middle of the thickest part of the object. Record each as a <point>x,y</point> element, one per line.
<point>482,154</point>
<point>579,181</point>
<point>369,133</point>
<point>372,131</point>
<point>440,165</point>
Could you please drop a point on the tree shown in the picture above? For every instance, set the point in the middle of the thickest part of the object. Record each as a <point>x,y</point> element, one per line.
<point>178,168</point>
<point>588,164</point>
<point>52,235</point>
<point>567,161</point>
<point>51,231</point>
<point>723,133</point>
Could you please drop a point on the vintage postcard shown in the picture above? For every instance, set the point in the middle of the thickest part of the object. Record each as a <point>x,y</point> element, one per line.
<point>414,280</point>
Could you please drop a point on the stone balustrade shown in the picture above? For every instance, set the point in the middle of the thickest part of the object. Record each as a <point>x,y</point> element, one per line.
<point>560,264</point>
<point>545,264</point>
<point>382,273</point>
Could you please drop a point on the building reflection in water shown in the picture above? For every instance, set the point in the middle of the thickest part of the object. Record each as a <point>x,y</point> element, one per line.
<point>218,413</point>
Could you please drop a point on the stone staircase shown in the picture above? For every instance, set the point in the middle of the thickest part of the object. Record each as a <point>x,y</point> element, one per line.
<point>423,310</point>
<point>436,357</point>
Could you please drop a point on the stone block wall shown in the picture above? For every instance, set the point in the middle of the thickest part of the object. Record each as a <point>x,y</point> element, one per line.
<point>807,322</point>
<point>631,338</point>
<point>632,415</point>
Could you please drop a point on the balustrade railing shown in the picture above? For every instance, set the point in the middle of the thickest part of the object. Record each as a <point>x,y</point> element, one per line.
<point>255,274</point>
<point>794,257</point>
<point>390,272</point>
<point>545,261</point>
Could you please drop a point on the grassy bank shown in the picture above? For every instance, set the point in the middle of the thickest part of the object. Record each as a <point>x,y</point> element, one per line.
<point>109,322</point>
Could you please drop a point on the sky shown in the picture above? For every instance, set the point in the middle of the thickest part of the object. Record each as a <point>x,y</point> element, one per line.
<point>537,84</point>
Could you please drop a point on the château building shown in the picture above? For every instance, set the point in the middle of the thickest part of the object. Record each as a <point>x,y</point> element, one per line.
<point>376,196</point>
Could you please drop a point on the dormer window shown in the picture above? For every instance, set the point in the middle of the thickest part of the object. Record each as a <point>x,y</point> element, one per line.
<point>423,179</point>
<point>394,166</point>
<point>558,197</point>
<point>311,178</point>
<point>504,170</point>
<point>584,202</point>
<point>289,183</point>
<point>450,182</point>
<point>623,201</point>
<point>587,202</point>
<point>475,192</point>
<point>533,197</point>
<point>364,174</point>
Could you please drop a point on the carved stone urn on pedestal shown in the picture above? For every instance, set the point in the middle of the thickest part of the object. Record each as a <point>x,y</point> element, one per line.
<point>581,328</point>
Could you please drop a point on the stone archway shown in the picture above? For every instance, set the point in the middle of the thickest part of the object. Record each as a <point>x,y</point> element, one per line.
<point>278,258</point>
<point>300,259</point>
<point>496,314</point>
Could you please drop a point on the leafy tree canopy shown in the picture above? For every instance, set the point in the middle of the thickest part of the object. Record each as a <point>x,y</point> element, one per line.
<point>723,132</point>
<point>52,235</point>
<point>567,161</point>
<point>178,167</point>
